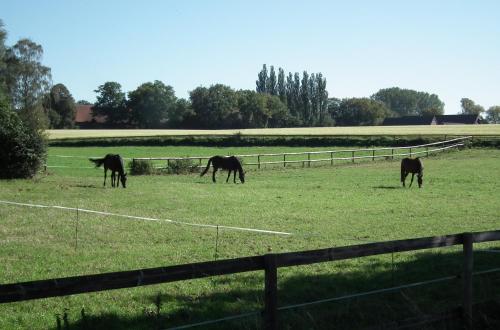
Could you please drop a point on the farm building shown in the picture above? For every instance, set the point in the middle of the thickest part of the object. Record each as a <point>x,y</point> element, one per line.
<point>432,120</point>
<point>83,116</point>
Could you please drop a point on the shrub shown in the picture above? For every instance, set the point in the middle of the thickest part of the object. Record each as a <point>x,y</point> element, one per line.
<point>181,166</point>
<point>22,149</point>
<point>141,167</point>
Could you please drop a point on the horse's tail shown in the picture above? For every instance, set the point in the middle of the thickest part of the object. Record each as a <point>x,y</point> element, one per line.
<point>98,162</point>
<point>206,168</point>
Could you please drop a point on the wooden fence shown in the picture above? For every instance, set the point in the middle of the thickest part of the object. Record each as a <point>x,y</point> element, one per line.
<point>269,263</point>
<point>353,154</point>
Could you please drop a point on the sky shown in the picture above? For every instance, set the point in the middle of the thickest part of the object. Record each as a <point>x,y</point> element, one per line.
<point>448,48</point>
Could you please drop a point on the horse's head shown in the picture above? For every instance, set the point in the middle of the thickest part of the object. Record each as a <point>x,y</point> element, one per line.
<point>242,176</point>
<point>124,180</point>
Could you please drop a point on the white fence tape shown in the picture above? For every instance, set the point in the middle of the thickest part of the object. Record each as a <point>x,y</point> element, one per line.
<point>148,218</point>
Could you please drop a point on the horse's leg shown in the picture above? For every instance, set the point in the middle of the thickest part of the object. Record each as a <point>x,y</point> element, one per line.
<point>412,175</point>
<point>234,176</point>
<point>405,174</point>
<point>228,175</point>
<point>105,172</point>
<point>213,174</point>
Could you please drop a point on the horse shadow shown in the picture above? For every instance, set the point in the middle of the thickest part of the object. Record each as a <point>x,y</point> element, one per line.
<point>346,277</point>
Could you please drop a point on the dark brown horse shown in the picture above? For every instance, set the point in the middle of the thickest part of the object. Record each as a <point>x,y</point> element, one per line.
<point>409,165</point>
<point>115,164</point>
<point>230,163</point>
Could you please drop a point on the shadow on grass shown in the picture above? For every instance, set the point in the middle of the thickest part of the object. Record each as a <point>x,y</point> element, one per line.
<point>322,281</point>
<point>387,187</point>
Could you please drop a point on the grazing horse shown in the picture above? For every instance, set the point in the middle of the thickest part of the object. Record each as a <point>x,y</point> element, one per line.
<point>115,164</point>
<point>230,163</point>
<point>409,165</point>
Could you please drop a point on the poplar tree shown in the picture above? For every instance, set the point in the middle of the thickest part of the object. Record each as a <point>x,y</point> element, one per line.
<point>271,83</point>
<point>281,85</point>
<point>262,80</point>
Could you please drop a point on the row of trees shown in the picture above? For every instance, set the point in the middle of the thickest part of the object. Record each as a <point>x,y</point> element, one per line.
<point>154,105</point>
<point>306,98</point>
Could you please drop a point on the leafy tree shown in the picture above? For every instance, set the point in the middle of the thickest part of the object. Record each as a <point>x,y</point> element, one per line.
<point>179,116</point>
<point>407,102</point>
<point>360,112</point>
<point>111,103</point>
<point>27,81</point>
<point>3,53</point>
<point>23,149</point>
<point>278,112</point>
<point>253,109</point>
<point>262,80</point>
<point>151,103</point>
<point>271,87</point>
<point>61,107</point>
<point>493,114</point>
<point>215,107</point>
<point>84,102</point>
<point>469,107</point>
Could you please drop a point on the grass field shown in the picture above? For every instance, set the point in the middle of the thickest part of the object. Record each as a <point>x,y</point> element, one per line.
<point>493,129</point>
<point>321,206</point>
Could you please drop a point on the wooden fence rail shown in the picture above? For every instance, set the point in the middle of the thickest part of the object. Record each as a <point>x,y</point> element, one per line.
<point>407,151</point>
<point>269,263</point>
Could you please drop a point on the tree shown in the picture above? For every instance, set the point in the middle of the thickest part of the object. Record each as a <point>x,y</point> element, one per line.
<point>111,103</point>
<point>262,80</point>
<point>61,107</point>
<point>282,85</point>
<point>360,112</point>
<point>271,82</point>
<point>493,114</point>
<point>3,64</point>
<point>84,102</point>
<point>180,115</point>
<point>304,98</point>
<point>151,103</point>
<point>23,149</point>
<point>469,107</point>
<point>253,109</point>
<point>407,102</point>
<point>27,81</point>
<point>215,107</point>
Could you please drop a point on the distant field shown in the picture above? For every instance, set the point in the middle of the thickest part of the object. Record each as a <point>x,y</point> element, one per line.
<point>366,130</point>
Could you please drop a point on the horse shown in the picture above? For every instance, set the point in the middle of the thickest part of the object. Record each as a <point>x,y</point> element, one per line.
<point>409,165</point>
<point>115,164</point>
<point>229,163</point>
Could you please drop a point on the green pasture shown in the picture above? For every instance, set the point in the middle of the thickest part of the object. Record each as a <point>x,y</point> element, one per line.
<point>321,206</point>
<point>490,129</point>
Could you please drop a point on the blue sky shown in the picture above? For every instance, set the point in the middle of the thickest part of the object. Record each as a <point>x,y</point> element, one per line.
<point>450,48</point>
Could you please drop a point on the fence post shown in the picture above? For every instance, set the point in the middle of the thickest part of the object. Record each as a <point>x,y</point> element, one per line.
<point>427,151</point>
<point>410,152</point>
<point>284,160</point>
<point>200,161</point>
<point>353,156</point>
<point>392,154</point>
<point>467,279</point>
<point>270,293</point>
<point>308,159</point>
<point>258,161</point>
<point>373,154</point>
